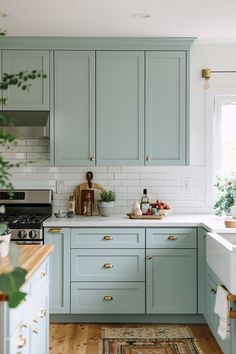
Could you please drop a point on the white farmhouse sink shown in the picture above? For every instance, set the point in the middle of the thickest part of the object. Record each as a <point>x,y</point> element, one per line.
<point>221,258</point>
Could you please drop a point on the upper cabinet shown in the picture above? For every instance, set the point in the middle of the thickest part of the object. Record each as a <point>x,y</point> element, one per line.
<point>166,100</point>
<point>120,107</point>
<point>37,97</point>
<point>74,102</point>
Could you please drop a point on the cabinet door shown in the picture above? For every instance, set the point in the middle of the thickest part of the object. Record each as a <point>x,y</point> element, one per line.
<point>59,269</point>
<point>171,281</point>
<point>37,97</point>
<point>165,107</point>
<point>120,108</point>
<point>74,108</point>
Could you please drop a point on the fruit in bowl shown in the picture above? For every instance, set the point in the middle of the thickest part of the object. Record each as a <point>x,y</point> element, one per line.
<point>163,208</point>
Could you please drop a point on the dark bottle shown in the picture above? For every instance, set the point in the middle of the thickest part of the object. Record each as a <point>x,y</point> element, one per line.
<point>145,203</point>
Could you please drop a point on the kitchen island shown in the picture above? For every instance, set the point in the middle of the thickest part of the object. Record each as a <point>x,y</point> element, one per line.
<point>25,329</point>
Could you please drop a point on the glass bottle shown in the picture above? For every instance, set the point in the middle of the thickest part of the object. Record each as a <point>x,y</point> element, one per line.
<point>88,205</point>
<point>145,203</point>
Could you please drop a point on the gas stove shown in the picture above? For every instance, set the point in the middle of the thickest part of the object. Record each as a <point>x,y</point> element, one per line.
<point>25,211</point>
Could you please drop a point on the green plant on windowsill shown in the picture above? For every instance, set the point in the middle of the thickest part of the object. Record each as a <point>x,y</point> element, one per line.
<point>11,281</point>
<point>226,192</point>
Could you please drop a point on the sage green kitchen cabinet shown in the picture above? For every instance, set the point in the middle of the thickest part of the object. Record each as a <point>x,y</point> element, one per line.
<point>74,75</point>
<point>171,271</point>
<point>59,269</point>
<point>36,98</point>
<point>166,107</point>
<point>120,107</point>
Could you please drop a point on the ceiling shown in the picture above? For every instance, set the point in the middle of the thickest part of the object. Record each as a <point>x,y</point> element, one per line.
<point>208,20</point>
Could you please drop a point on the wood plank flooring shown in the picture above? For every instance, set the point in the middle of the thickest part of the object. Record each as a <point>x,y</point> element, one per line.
<point>74,338</point>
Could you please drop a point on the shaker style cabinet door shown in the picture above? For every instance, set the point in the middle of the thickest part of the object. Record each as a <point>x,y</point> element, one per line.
<point>59,269</point>
<point>120,107</point>
<point>74,108</point>
<point>37,96</point>
<point>166,111</point>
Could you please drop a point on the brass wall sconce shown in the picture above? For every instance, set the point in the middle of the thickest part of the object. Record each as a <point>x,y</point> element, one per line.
<point>206,74</point>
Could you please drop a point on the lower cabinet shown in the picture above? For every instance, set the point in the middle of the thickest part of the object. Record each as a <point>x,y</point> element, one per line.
<point>28,325</point>
<point>123,270</point>
<point>108,280</point>
<point>213,319</point>
<point>59,269</point>
<point>171,271</point>
<point>171,281</point>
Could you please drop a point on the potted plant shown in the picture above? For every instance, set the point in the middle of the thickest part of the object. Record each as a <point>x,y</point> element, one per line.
<point>11,279</point>
<point>106,203</point>
<point>226,192</point>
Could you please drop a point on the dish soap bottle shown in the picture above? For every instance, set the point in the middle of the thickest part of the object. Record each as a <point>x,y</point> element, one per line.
<point>145,203</point>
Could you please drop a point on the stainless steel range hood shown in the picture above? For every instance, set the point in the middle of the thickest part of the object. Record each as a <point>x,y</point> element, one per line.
<point>28,124</point>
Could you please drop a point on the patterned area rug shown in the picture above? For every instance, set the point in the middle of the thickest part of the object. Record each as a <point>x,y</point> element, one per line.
<point>148,340</point>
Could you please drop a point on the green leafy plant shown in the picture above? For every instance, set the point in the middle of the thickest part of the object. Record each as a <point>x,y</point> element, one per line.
<point>108,196</point>
<point>11,281</point>
<point>226,192</point>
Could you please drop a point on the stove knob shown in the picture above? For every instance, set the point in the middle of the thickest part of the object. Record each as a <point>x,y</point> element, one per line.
<point>33,234</point>
<point>22,234</point>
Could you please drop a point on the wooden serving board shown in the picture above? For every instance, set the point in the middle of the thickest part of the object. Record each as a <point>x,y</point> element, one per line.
<point>80,193</point>
<point>150,217</point>
<point>230,223</point>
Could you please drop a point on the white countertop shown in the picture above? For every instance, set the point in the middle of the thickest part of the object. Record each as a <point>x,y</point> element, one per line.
<point>211,222</point>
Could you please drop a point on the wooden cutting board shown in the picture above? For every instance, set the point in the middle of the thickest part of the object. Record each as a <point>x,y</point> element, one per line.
<point>94,189</point>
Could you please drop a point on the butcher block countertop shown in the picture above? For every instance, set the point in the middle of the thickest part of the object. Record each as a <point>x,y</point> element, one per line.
<point>31,257</point>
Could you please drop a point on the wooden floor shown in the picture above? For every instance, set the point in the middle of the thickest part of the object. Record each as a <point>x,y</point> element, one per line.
<point>73,338</point>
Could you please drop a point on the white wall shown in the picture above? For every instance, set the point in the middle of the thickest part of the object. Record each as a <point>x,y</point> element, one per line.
<point>128,182</point>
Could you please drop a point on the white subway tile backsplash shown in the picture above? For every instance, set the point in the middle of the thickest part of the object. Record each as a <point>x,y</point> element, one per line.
<point>162,182</point>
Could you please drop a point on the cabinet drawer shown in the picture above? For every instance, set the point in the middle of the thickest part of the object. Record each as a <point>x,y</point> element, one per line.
<point>108,298</point>
<point>171,238</point>
<point>107,238</point>
<point>107,265</point>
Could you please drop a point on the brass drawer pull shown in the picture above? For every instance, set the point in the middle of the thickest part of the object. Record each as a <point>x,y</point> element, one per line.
<point>172,238</point>
<point>43,312</point>
<point>149,257</point>
<point>21,342</point>
<point>107,265</point>
<point>92,158</point>
<point>42,274</point>
<point>35,331</point>
<point>56,230</point>
<point>213,291</point>
<point>108,298</point>
<point>107,238</point>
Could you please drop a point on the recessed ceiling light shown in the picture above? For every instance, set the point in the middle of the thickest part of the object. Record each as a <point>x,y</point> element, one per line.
<point>140,15</point>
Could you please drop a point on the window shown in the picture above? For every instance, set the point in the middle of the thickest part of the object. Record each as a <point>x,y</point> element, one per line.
<point>225,140</point>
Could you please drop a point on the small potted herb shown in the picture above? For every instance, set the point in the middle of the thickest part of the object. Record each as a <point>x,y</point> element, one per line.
<point>106,203</point>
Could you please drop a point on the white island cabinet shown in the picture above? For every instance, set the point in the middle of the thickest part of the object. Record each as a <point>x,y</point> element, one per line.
<point>25,329</point>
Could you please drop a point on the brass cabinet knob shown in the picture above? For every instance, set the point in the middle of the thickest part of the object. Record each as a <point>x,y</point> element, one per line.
<point>108,298</point>
<point>56,230</point>
<point>43,312</point>
<point>172,238</point>
<point>92,158</point>
<point>42,274</point>
<point>107,265</point>
<point>5,101</point>
<point>24,325</point>
<point>107,238</point>
<point>148,158</point>
<point>21,341</point>
<point>149,257</point>
<point>213,291</point>
<point>35,320</point>
<point>35,331</point>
